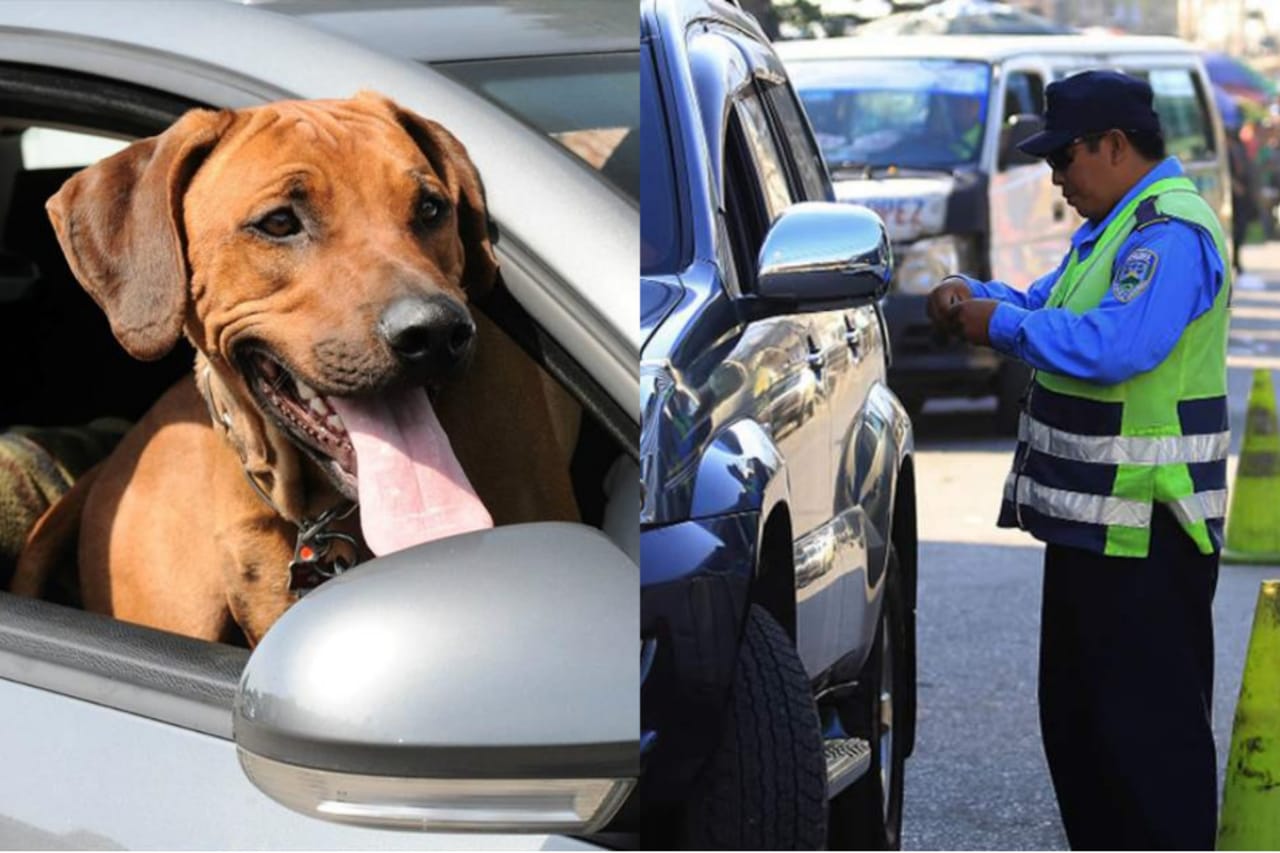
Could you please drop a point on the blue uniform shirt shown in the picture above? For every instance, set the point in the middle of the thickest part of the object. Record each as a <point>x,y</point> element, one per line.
<point>1117,339</point>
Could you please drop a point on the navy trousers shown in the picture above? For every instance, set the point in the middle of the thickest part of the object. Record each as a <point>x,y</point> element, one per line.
<point>1126,686</point>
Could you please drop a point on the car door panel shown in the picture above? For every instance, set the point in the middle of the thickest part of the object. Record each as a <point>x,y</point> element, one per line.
<point>78,775</point>
<point>1030,221</point>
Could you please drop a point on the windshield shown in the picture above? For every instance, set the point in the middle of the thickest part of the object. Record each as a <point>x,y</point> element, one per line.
<point>906,113</point>
<point>588,103</point>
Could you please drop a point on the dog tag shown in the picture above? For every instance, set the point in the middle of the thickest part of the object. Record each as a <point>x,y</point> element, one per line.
<point>313,560</point>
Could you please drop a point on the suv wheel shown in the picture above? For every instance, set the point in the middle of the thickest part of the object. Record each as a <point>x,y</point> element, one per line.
<point>765,787</point>
<point>868,814</point>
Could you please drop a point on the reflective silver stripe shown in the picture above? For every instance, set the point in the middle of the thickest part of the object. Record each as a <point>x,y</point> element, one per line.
<point>1123,449</point>
<point>1200,506</point>
<point>1077,506</point>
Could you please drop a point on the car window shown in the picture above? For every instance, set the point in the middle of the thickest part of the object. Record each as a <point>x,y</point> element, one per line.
<point>660,223</point>
<point>52,148</point>
<point>587,103</point>
<point>1183,113</point>
<point>810,170</point>
<point>745,208</point>
<point>1023,94</point>
<point>769,165</point>
<point>910,113</point>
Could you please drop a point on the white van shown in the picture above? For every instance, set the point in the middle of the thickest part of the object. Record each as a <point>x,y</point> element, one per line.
<point>922,128</point>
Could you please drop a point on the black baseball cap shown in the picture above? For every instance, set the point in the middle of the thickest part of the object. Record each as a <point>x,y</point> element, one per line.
<point>1091,102</point>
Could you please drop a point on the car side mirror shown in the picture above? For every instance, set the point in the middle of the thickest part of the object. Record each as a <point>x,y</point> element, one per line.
<point>821,254</point>
<point>1018,129</point>
<point>485,682</point>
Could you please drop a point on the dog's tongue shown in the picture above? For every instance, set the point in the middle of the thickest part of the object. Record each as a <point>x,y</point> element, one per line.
<point>411,487</point>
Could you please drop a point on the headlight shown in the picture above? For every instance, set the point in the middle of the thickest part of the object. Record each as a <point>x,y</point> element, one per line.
<point>924,263</point>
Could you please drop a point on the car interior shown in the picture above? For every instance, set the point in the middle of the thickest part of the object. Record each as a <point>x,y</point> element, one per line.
<point>71,387</point>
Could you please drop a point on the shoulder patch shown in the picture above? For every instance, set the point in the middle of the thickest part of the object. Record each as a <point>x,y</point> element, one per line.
<point>1135,274</point>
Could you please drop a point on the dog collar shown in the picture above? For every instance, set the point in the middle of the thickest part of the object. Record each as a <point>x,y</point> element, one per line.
<point>313,560</point>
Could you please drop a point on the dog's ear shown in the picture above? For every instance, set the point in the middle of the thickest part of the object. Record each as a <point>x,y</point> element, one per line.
<point>449,159</point>
<point>119,223</point>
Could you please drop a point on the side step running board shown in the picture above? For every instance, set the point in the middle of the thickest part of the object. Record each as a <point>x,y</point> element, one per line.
<point>848,760</point>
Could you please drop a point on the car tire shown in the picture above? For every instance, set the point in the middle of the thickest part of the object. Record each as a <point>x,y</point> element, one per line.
<point>765,787</point>
<point>868,814</point>
<point>1011,387</point>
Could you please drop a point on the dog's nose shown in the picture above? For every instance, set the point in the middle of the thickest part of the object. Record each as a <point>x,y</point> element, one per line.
<point>431,333</point>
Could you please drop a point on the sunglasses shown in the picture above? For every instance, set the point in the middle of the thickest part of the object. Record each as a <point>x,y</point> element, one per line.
<point>1060,158</point>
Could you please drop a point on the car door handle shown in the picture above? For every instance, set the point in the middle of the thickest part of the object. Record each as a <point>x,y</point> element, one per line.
<point>817,359</point>
<point>853,337</point>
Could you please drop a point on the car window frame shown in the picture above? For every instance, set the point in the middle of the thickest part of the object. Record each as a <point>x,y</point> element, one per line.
<point>177,680</point>
<point>1210,151</point>
<point>757,131</point>
<point>182,681</point>
<point>679,168</point>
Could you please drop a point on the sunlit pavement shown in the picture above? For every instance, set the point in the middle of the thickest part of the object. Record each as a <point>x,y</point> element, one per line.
<point>978,779</point>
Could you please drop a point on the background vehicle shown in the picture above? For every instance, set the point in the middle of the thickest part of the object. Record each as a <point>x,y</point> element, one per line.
<point>778,547</point>
<point>115,735</point>
<point>923,129</point>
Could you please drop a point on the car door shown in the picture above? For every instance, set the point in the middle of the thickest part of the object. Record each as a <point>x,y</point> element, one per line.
<point>829,550</point>
<point>1030,221</point>
<point>114,735</point>
<point>833,581</point>
<point>796,389</point>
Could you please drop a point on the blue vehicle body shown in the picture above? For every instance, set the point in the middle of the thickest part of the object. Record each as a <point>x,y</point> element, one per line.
<point>776,463</point>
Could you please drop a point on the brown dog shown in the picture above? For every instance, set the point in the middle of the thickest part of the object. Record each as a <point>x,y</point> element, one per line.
<point>319,256</point>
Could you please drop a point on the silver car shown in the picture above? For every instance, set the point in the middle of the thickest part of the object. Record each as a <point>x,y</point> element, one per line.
<point>387,699</point>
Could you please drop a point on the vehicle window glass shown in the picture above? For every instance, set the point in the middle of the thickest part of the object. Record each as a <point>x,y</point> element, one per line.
<point>764,153</point>
<point>1183,115</point>
<point>804,150</point>
<point>746,217</point>
<point>660,221</point>
<point>1023,94</point>
<point>908,113</point>
<point>586,103</point>
<point>51,148</point>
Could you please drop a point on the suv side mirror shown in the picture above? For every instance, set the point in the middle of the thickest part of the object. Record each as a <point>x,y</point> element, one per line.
<point>486,682</point>
<point>821,254</point>
<point>1018,129</point>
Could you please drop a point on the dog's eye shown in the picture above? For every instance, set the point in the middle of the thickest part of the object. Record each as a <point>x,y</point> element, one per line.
<point>430,209</point>
<point>279,223</point>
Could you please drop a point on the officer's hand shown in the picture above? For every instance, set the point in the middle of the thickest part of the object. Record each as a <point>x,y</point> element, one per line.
<point>951,291</point>
<point>971,318</point>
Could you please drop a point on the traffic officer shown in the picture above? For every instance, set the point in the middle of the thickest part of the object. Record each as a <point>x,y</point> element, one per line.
<point>1120,467</point>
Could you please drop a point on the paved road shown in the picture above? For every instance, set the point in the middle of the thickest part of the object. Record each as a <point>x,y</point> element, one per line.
<point>978,779</point>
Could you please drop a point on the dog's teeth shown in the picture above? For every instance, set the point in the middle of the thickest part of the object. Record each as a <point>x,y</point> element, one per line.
<point>335,423</point>
<point>318,406</point>
<point>305,392</point>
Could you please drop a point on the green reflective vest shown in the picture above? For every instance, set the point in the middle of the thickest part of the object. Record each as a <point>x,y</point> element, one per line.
<point>1091,479</point>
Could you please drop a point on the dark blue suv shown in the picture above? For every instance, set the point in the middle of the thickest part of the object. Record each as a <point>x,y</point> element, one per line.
<point>778,534</point>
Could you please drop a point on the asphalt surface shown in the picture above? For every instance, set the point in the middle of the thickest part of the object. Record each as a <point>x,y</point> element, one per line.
<point>978,779</point>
